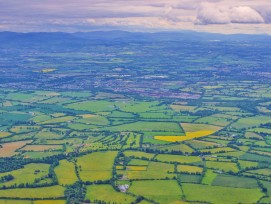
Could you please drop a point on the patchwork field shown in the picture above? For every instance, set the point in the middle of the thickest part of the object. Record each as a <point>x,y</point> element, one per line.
<point>105,124</point>
<point>158,191</point>
<point>217,194</point>
<point>192,131</point>
<point>51,192</point>
<point>96,166</point>
<point>9,149</point>
<point>106,193</point>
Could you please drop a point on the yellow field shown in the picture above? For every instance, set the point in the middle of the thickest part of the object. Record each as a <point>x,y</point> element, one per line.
<point>119,167</point>
<point>189,136</point>
<point>189,169</point>
<point>57,115</point>
<point>136,168</point>
<point>87,115</point>
<point>192,131</point>
<point>4,134</point>
<point>48,70</point>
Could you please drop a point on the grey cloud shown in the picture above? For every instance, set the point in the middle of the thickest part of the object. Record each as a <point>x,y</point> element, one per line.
<point>221,14</point>
<point>265,12</point>
<point>37,15</point>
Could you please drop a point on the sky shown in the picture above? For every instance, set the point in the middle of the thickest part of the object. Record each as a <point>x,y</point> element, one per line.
<point>219,16</point>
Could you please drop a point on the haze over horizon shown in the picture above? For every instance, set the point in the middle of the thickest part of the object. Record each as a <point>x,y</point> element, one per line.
<point>219,16</point>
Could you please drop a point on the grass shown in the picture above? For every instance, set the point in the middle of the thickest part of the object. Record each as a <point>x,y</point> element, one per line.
<point>177,158</point>
<point>40,118</point>
<point>41,148</point>
<point>191,127</point>
<point>214,121</point>
<point>65,173</point>
<point>58,120</point>
<point>138,162</point>
<point>247,164</point>
<point>44,192</point>
<point>219,149</point>
<point>95,120</point>
<point>46,134</point>
<point>250,122</point>
<point>39,155</point>
<point>188,178</point>
<point>147,127</point>
<point>222,166</point>
<point>182,108</point>
<point>96,166</point>
<point>138,154</point>
<point>24,129</point>
<point>140,107</point>
<point>219,194</point>
<point>28,174</point>
<point>179,148</point>
<point>107,194</point>
<point>9,201</point>
<point>209,177</point>
<point>255,157</point>
<point>235,182</point>
<point>92,106</point>
<point>155,170</point>
<point>265,172</point>
<point>198,144</point>
<point>167,191</point>
<point>49,202</point>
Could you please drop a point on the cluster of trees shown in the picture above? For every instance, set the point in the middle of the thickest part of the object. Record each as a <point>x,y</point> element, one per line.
<point>10,164</point>
<point>6,178</point>
<point>75,193</point>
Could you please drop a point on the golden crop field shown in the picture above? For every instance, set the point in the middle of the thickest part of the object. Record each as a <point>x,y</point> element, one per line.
<point>136,168</point>
<point>189,169</point>
<point>192,131</point>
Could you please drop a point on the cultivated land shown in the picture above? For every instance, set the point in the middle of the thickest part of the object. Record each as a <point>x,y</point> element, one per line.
<point>153,118</point>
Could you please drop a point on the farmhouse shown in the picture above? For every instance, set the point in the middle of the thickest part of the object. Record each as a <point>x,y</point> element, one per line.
<point>123,188</point>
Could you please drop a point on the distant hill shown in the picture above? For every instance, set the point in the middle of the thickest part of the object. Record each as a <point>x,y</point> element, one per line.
<point>113,37</point>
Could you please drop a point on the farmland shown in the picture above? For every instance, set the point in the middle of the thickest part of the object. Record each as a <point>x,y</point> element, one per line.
<point>137,122</point>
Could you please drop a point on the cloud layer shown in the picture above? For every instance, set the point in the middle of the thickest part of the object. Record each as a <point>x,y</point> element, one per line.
<point>220,14</point>
<point>243,16</point>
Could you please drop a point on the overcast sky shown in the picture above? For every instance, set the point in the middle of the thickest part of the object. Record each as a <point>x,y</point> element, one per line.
<point>223,16</point>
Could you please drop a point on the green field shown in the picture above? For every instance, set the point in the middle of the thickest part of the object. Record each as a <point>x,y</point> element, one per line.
<point>58,145</point>
<point>107,194</point>
<point>96,166</point>
<point>218,194</point>
<point>159,191</point>
<point>65,172</point>
<point>51,192</point>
